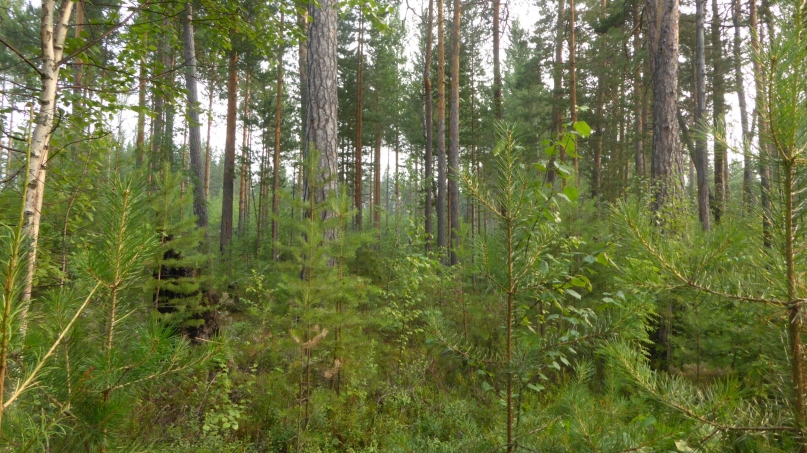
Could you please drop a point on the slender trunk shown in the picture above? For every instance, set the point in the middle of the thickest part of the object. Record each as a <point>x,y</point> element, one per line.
<point>245,179</point>
<point>357,188</point>
<point>194,134</point>
<point>718,103</point>
<point>701,155</point>
<point>428,184</point>
<point>276,156</point>
<point>573,84</point>
<point>454,152</point>
<point>441,129</point>
<point>764,169</point>
<point>78,65</point>
<point>207,144</point>
<point>229,155</point>
<point>53,31</point>
<point>638,94</point>
<point>377,174</point>
<point>557,87</point>
<point>740,86</point>
<point>497,72</point>
<point>666,165</point>
<point>140,139</point>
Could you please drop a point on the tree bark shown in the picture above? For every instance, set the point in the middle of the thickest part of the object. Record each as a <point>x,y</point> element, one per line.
<point>194,134</point>
<point>497,72</point>
<point>454,152</point>
<point>718,103</point>
<point>740,87</point>
<point>245,179</point>
<point>441,129</point>
<point>140,139</point>
<point>638,94</point>
<point>357,187</point>
<point>666,166</point>
<point>701,155</point>
<point>276,156</point>
<point>428,183</point>
<point>229,154</point>
<point>321,115</point>
<point>573,85</point>
<point>53,32</point>
<point>557,88</point>
<point>377,174</point>
<point>764,169</point>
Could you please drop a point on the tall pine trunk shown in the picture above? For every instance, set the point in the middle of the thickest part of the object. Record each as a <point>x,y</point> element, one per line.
<point>194,134</point>
<point>441,129</point>
<point>557,87</point>
<point>701,154</point>
<point>428,183</point>
<point>357,187</point>
<point>666,165</point>
<point>718,103</point>
<point>497,72</point>
<point>321,114</point>
<point>245,179</point>
<point>454,152</point>
<point>229,154</point>
<point>740,87</point>
<point>276,155</point>
<point>573,84</point>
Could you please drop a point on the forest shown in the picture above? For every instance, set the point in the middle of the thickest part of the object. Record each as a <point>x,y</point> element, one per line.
<point>241,226</point>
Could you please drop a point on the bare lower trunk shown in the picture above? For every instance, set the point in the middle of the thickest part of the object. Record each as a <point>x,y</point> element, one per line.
<point>666,165</point>
<point>357,187</point>
<point>454,152</point>
<point>321,119</point>
<point>276,155</point>
<point>573,84</point>
<point>701,155</point>
<point>740,86</point>
<point>428,183</point>
<point>441,129</point>
<point>228,181</point>
<point>194,134</point>
<point>497,72</point>
<point>718,103</point>
<point>246,174</point>
<point>557,87</point>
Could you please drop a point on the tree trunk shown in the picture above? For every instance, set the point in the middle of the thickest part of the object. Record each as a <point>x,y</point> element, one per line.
<point>666,165</point>
<point>377,175</point>
<point>229,154</point>
<point>194,134</point>
<point>276,156</point>
<point>764,169</point>
<point>428,183</point>
<point>740,86</point>
<point>245,174</point>
<point>357,187</point>
<point>638,94</point>
<point>454,152</point>
<point>441,129</point>
<point>701,156</point>
<point>53,31</point>
<point>321,115</point>
<point>718,103</point>
<point>140,139</point>
<point>207,144</point>
<point>557,88</point>
<point>497,72</point>
<point>573,85</point>
<point>302,65</point>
